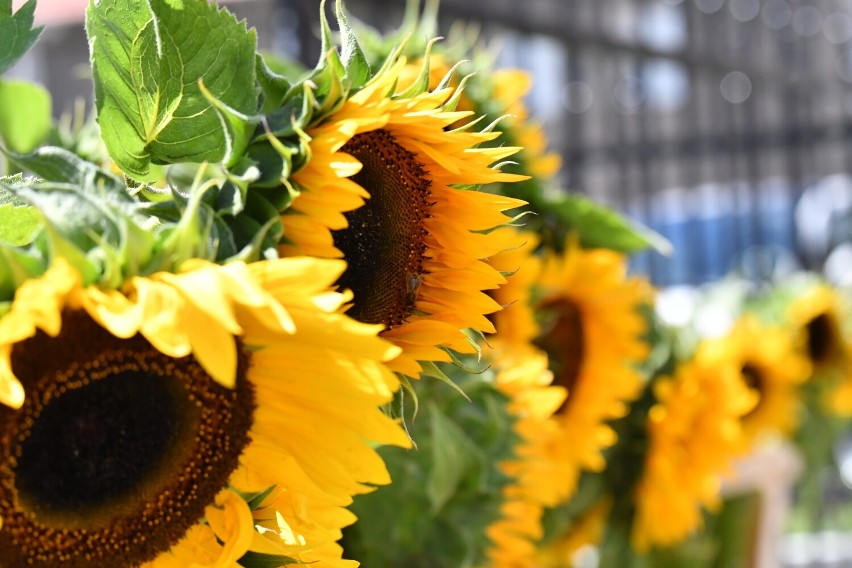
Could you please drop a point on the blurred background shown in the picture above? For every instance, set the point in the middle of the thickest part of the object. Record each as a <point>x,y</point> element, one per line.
<point>724,125</point>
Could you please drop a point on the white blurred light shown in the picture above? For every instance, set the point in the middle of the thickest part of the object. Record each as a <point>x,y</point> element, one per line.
<point>838,270</point>
<point>736,87</point>
<point>807,21</point>
<point>744,10</point>
<point>838,28</point>
<point>709,6</point>
<point>675,305</point>
<point>776,14</point>
<point>577,97</point>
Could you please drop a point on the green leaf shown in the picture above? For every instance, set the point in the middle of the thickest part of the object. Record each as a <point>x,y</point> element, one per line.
<point>17,34</point>
<point>18,221</point>
<point>80,227</point>
<point>451,458</point>
<point>56,164</point>
<point>354,60</point>
<point>16,267</point>
<point>601,227</point>
<point>148,59</point>
<point>25,118</point>
<point>18,225</point>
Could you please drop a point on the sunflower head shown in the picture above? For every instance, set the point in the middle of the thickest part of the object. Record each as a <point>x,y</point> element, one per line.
<point>694,433</point>
<point>392,190</point>
<point>169,421</point>
<point>818,312</point>
<point>774,367</point>
<point>590,326</point>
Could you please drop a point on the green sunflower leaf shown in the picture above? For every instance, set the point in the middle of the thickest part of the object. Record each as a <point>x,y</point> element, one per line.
<point>18,221</point>
<point>357,67</point>
<point>17,34</point>
<point>16,267</point>
<point>80,227</point>
<point>452,457</point>
<point>601,227</point>
<point>18,225</point>
<point>148,59</point>
<point>25,118</point>
<point>52,163</point>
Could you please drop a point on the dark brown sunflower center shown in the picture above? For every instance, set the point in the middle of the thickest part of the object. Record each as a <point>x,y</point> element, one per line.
<point>563,340</point>
<point>94,444</point>
<point>384,244</point>
<point>820,338</point>
<point>753,378</point>
<point>117,450</point>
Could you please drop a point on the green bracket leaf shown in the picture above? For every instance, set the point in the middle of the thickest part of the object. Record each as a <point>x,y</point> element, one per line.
<point>52,163</point>
<point>18,221</point>
<point>18,225</point>
<point>17,34</point>
<point>452,456</point>
<point>148,58</point>
<point>601,227</point>
<point>25,118</point>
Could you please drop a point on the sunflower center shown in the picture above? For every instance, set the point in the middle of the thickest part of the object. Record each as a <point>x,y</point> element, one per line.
<point>563,340</point>
<point>753,378</point>
<point>82,453</point>
<point>820,338</point>
<point>117,450</point>
<point>384,244</point>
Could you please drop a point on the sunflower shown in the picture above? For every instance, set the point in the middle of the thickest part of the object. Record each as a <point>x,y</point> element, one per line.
<point>380,191</point>
<point>774,367</point>
<point>592,331</point>
<point>523,376</point>
<point>818,313</point>
<point>183,420</point>
<point>695,432</point>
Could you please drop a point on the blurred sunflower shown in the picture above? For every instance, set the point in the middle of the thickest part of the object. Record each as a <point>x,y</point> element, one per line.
<point>818,312</point>
<point>695,433</point>
<point>774,367</point>
<point>523,376</point>
<point>380,190</point>
<point>254,451</point>
<point>591,329</point>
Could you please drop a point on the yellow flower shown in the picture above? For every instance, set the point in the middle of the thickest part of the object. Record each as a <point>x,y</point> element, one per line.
<point>499,93</point>
<point>379,190</point>
<point>774,367</point>
<point>695,432</point>
<point>818,314</point>
<point>592,331</point>
<point>137,425</point>
<point>523,376</point>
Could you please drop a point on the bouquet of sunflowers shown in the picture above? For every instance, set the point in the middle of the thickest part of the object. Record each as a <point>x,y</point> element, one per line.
<point>346,315</point>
